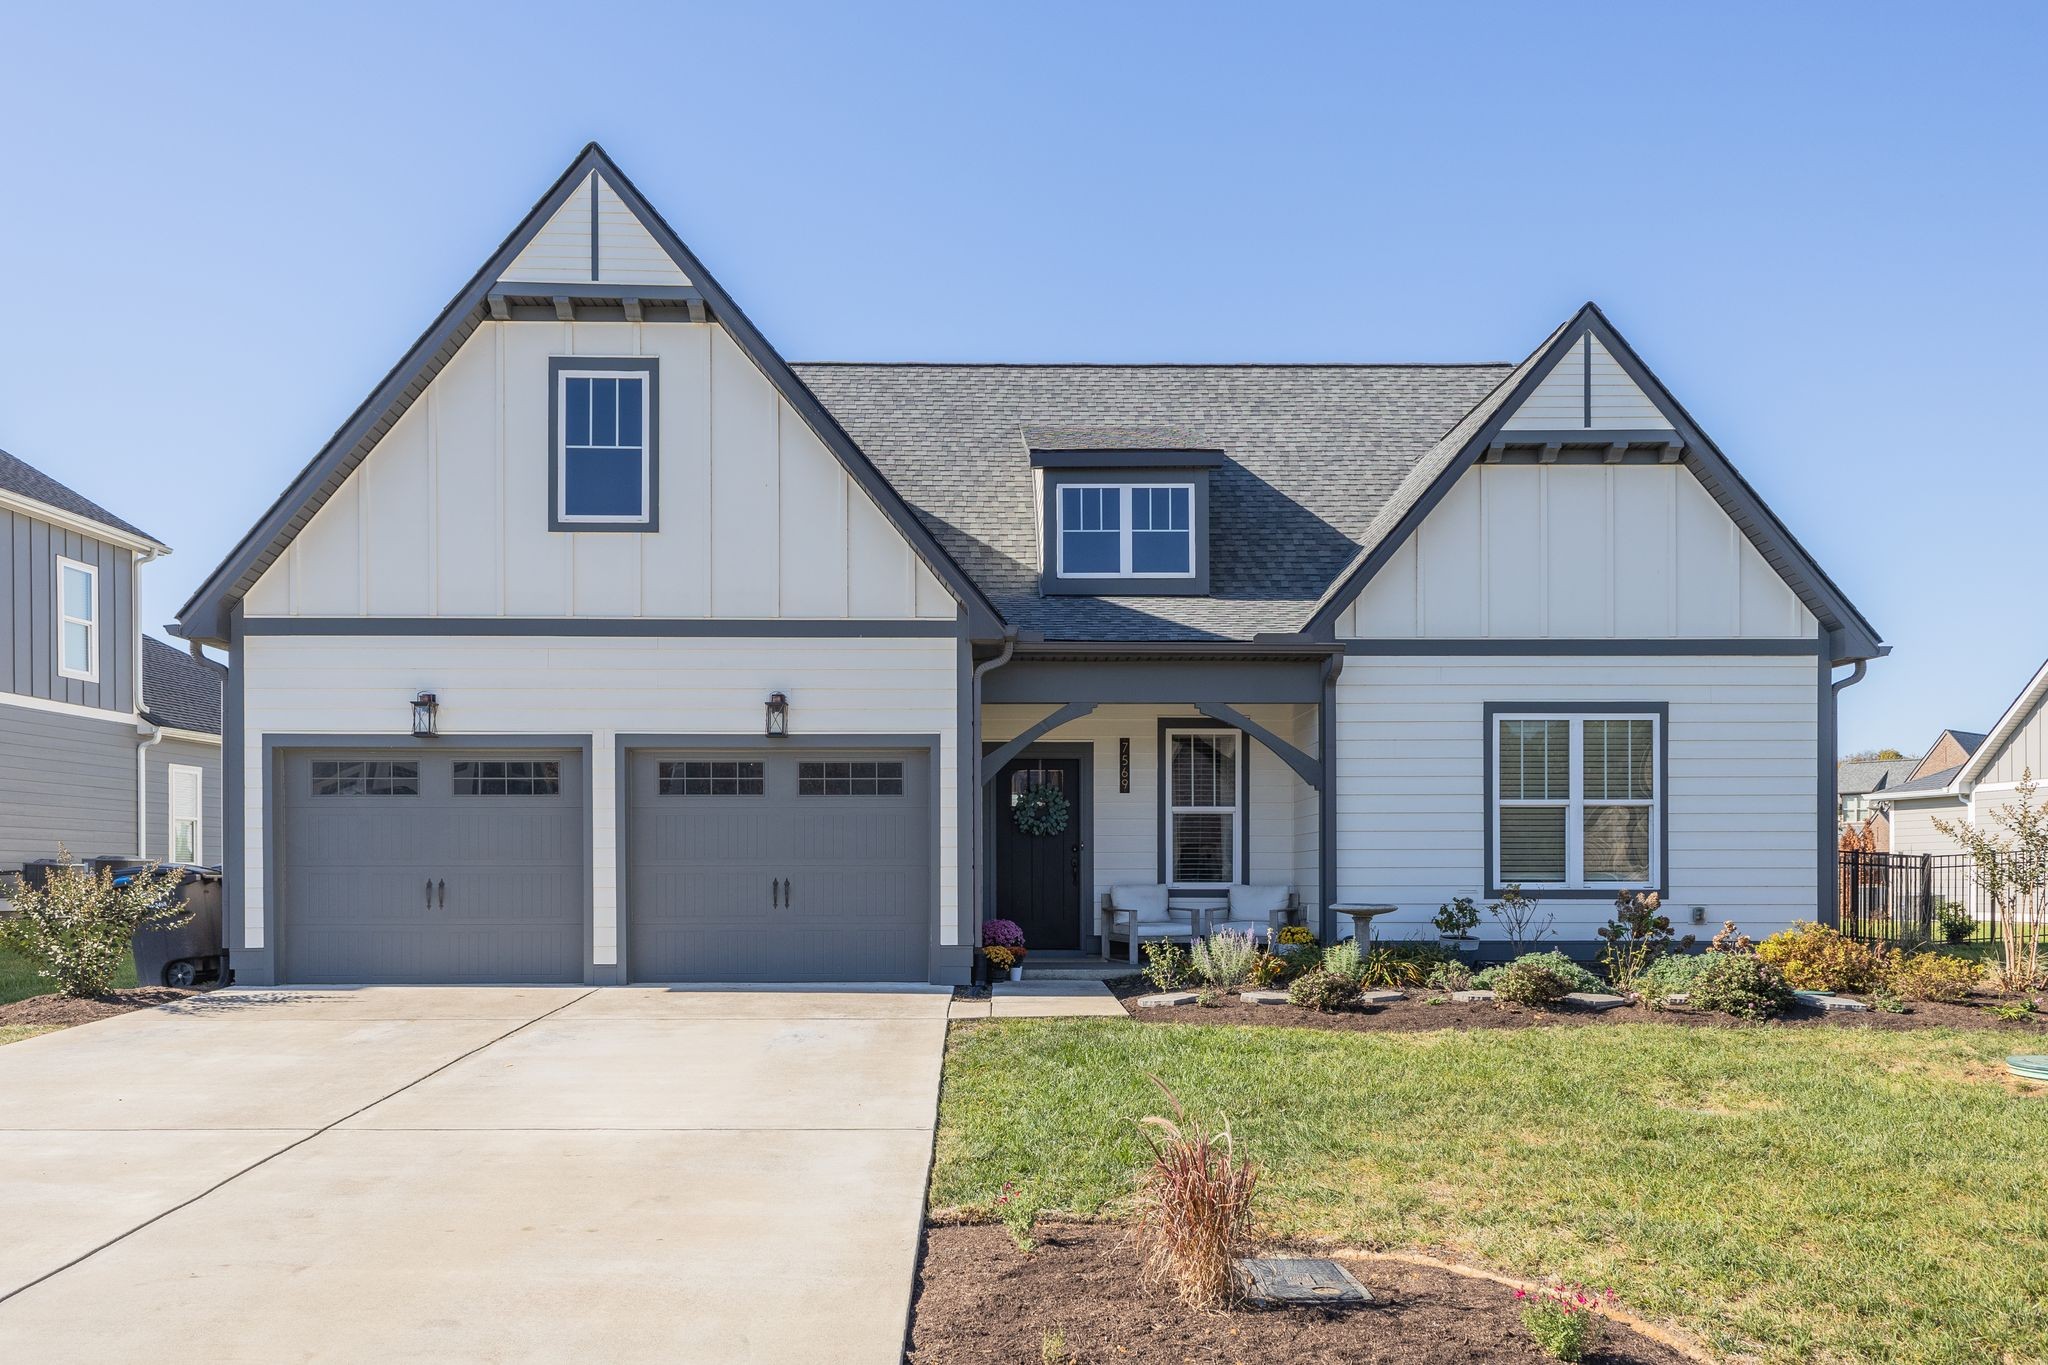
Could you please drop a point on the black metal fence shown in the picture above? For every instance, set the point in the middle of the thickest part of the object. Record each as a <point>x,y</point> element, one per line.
<point>1900,899</point>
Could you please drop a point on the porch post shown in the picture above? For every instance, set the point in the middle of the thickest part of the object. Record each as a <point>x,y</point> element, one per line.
<point>1326,797</point>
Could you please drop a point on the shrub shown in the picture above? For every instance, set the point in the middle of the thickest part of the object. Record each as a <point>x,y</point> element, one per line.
<point>1019,1215</point>
<point>1166,965</point>
<point>1322,991</point>
<point>75,929</point>
<point>1456,918</point>
<point>1527,983</point>
<point>1517,915</point>
<point>1673,974</point>
<point>1731,940</point>
<point>1814,957</point>
<point>1342,959</point>
<point>1195,1208</point>
<point>1556,963</point>
<point>1449,976</point>
<point>1224,959</point>
<point>1301,957</point>
<point>1400,966</point>
<point>1952,921</point>
<point>1635,938</point>
<point>1564,1321</point>
<point>1740,984</point>
<point>1268,970</point>
<point>1933,976</point>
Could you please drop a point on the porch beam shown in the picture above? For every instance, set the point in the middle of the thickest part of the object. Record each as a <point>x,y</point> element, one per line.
<point>1308,769</point>
<point>994,763</point>
<point>1158,682</point>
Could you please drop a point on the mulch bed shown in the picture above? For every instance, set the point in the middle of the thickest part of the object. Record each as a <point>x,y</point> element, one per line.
<point>1413,1015</point>
<point>57,1011</point>
<point>980,1299</point>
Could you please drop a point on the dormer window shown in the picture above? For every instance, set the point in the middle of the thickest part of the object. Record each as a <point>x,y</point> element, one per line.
<point>1125,522</point>
<point>603,437</point>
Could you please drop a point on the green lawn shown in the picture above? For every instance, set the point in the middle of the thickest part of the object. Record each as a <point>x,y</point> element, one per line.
<point>18,980</point>
<point>1799,1194</point>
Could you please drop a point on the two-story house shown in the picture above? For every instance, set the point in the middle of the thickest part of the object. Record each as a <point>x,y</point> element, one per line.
<point>600,643</point>
<point>110,741</point>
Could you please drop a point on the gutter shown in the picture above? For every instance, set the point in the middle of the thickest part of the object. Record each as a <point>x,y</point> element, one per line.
<point>986,666</point>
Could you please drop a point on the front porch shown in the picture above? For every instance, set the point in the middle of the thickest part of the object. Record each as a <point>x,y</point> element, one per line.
<point>1190,774</point>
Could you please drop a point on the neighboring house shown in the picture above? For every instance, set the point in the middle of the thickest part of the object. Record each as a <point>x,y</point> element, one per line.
<point>109,742</point>
<point>1856,779</point>
<point>1977,776</point>
<point>733,669</point>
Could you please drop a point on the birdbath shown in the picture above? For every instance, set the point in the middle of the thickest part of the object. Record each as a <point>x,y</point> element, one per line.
<point>1362,917</point>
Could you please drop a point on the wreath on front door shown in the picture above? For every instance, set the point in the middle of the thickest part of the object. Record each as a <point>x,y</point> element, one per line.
<point>1041,811</point>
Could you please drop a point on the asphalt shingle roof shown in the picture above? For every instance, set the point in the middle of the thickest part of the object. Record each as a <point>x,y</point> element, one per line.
<point>179,690</point>
<point>1313,453</point>
<point>19,476</point>
<point>1932,782</point>
<point>1854,777</point>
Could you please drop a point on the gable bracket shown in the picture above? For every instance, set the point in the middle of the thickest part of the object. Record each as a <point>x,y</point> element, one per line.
<point>1573,446</point>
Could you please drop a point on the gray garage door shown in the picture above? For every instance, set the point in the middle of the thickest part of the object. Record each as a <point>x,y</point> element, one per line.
<point>422,866</point>
<point>778,866</point>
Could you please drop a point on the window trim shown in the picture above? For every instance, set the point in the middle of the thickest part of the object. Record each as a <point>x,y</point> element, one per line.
<point>1574,887</point>
<point>560,370</point>
<point>1123,490</point>
<point>1169,726</point>
<point>91,672</point>
<point>1053,576</point>
<point>198,816</point>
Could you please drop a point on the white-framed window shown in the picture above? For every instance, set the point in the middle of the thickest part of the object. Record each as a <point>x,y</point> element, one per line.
<point>1204,807</point>
<point>1126,530</point>
<point>78,620</point>
<point>186,787</point>
<point>604,462</point>
<point>1577,800</point>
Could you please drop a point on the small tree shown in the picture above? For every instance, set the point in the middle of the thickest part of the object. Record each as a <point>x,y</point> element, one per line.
<point>2010,866</point>
<point>76,927</point>
<point>1517,915</point>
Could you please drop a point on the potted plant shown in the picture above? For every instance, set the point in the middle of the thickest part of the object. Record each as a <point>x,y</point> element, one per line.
<point>1002,950</point>
<point>1455,920</point>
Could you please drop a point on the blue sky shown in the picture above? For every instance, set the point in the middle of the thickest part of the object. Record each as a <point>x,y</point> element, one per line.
<point>1821,224</point>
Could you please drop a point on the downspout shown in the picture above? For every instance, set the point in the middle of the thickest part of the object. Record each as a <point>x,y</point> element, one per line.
<point>142,727</point>
<point>1829,910</point>
<point>980,799</point>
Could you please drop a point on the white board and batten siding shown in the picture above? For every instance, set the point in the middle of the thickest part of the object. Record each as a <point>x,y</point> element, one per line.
<point>1412,809</point>
<point>448,516</point>
<point>1577,552</point>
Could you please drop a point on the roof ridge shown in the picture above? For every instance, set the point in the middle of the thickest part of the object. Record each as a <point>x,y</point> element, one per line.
<point>1158,364</point>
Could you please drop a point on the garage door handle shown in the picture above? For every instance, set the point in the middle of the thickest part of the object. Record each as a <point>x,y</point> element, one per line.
<point>787,899</point>
<point>774,894</point>
<point>442,889</point>
<point>430,893</point>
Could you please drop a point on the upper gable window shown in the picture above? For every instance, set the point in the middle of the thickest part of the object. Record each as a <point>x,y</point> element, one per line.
<point>605,460</point>
<point>1126,530</point>
<point>78,620</point>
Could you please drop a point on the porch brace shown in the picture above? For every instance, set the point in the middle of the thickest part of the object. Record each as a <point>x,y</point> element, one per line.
<point>993,764</point>
<point>1307,769</point>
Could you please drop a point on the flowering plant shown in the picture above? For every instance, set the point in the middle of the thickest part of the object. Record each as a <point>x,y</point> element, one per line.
<point>1002,933</point>
<point>1001,957</point>
<point>1297,934</point>
<point>1564,1319</point>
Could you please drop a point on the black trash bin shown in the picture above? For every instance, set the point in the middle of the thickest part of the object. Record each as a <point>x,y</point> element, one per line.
<point>191,954</point>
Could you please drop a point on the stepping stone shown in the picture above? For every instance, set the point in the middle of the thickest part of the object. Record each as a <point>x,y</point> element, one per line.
<point>1471,997</point>
<point>1381,997</point>
<point>1592,1001</point>
<point>1681,998</point>
<point>1821,1000</point>
<point>1165,998</point>
<point>1283,1283</point>
<point>1263,997</point>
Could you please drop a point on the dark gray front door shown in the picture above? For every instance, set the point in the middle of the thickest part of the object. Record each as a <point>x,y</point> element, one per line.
<point>778,865</point>
<point>422,866</point>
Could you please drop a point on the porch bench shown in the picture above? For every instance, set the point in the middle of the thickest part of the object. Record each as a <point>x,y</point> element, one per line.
<point>1147,912</point>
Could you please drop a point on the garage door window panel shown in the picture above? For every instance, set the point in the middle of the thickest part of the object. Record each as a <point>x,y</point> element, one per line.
<point>496,777</point>
<point>854,778</point>
<point>711,777</point>
<point>353,777</point>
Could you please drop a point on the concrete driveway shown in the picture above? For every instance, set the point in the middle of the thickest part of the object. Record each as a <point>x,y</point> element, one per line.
<point>468,1174</point>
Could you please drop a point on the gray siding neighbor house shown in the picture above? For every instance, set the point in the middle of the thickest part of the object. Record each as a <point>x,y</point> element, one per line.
<point>602,644</point>
<point>110,742</point>
<point>1979,774</point>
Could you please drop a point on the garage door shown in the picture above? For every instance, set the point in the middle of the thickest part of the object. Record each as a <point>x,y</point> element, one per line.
<point>415,866</point>
<point>778,866</point>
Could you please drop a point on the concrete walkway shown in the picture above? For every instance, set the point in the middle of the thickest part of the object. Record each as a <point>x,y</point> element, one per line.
<point>464,1174</point>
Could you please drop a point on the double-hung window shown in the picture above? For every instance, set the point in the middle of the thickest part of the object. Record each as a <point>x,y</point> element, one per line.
<point>1204,814</point>
<point>1126,530</point>
<point>186,785</point>
<point>78,620</point>
<point>604,445</point>
<point>1577,800</point>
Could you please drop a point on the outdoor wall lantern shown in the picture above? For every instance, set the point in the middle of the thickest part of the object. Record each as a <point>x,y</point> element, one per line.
<point>423,708</point>
<point>778,715</point>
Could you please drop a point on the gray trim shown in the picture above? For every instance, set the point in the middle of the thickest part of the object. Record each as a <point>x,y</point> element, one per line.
<point>593,229</point>
<point>1855,636</point>
<point>234,806</point>
<point>994,761</point>
<point>277,746</point>
<point>744,629</point>
<point>967,808</point>
<point>649,366</point>
<point>1121,461</point>
<point>1084,752</point>
<point>1828,859</point>
<point>1158,682</point>
<point>1053,584</point>
<point>1307,769</point>
<point>1244,789</point>
<point>205,614</point>
<point>624,744</point>
<point>1585,368</point>
<point>1326,799</point>
<point>1661,710</point>
<point>1701,648</point>
<point>1580,447</point>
